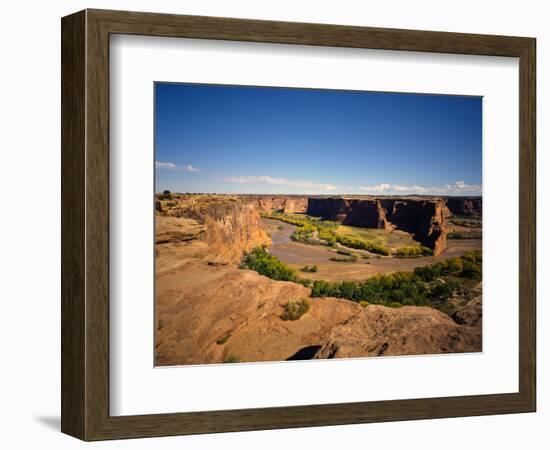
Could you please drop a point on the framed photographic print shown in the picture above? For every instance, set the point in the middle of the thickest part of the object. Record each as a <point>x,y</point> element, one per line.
<point>271,225</point>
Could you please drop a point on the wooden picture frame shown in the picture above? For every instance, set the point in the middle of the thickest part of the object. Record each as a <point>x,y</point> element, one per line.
<point>85,224</point>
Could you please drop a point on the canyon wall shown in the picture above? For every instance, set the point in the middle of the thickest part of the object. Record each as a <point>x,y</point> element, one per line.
<point>228,226</point>
<point>423,218</point>
<point>464,206</point>
<point>366,213</point>
<point>232,221</point>
<point>287,204</point>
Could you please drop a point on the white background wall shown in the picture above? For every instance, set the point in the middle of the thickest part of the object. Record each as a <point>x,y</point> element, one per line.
<point>30,225</point>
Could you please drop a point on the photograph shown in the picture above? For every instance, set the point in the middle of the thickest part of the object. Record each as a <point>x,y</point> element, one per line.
<point>309,224</point>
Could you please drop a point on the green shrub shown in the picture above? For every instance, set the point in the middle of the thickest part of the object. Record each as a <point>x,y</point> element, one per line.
<point>431,285</point>
<point>358,244</point>
<point>442,291</point>
<point>295,310</point>
<point>471,270</point>
<point>314,231</point>
<point>309,269</point>
<point>260,260</point>
<point>344,259</point>
<point>328,236</point>
<point>413,252</point>
<point>465,235</point>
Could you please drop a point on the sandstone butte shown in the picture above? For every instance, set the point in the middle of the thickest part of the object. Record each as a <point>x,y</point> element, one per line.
<point>210,311</point>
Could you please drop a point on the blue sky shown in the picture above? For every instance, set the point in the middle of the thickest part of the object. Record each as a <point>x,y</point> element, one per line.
<point>237,139</point>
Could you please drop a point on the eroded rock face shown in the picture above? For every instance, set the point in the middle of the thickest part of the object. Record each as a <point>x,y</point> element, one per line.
<point>366,213</point>
<point>228,226</point>
<point>410,330</point>
<point>175,229</point>
<point>335,208</point>
<point>465,206</point>
<point>470,314</point>
<point>423,218</point>
<point>295,205</point>
<point>209,314</point>
<point>281,203</point>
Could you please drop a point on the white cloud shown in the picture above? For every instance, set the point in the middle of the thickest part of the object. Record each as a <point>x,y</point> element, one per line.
<point>458,187</point>
<point>385,187</point>
<point>164,165</point>
<point>172,166</point>
<point>277,181</point>
<point>190,168</point>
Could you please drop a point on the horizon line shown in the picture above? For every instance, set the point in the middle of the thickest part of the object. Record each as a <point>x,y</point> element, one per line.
<point>317,195</point>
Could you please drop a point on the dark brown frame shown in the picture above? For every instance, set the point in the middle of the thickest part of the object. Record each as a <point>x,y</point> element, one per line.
<point>85,224</point>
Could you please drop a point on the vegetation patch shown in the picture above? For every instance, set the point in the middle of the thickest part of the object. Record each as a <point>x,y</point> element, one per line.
<point>466,221</point>
<point>392,239</point>
<point>344,252</point>
<point>437,285</point>
<point>413,252</point>
<point>304,282</point>
<point>323,232</point>
<point>433,285</point>
<point>359,244</point>
<point>344,259</point>
<point>295,310</point>
<point>309,269</point>
<point>260,260</point>
<point>465,235</point>
<point>166,195</point>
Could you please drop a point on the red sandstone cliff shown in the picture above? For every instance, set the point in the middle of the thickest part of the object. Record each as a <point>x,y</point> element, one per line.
<point>282,203</point>
<point>228,226</point>
<point>464,206</point>
<point>423,218</point>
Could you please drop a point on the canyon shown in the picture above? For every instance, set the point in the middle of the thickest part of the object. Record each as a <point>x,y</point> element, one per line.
<point>421,217</point>
<point>208,310</point>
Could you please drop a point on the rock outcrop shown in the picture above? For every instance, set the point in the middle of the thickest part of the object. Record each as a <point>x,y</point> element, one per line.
<point>208,314</point>
<point>410,330</point>
<point>175,229</point>
<point>228,226</point>
<point>470,314</point>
